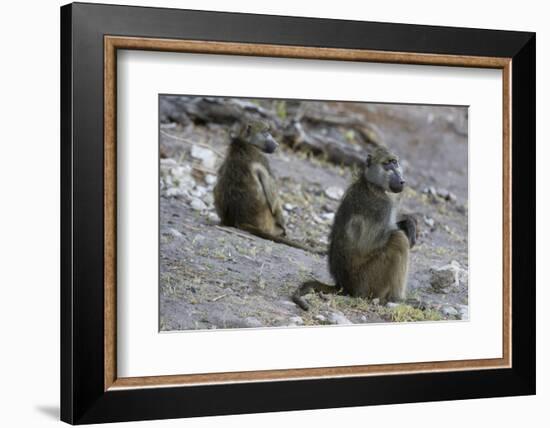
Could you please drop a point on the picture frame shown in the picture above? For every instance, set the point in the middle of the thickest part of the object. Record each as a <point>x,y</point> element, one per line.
<point>91,35</point>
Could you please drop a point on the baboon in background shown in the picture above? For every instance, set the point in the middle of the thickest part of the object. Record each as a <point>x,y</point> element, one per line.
<point>369,248</point>
<point>246,194</point>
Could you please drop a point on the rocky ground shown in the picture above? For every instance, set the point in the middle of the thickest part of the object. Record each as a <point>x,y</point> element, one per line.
<point>215,277</point>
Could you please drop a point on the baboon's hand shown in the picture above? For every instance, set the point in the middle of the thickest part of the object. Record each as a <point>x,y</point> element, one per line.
<point>409,226</point>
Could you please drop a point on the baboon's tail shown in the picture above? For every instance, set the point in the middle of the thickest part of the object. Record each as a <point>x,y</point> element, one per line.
<point>280,239</point>
<point>314,285</point>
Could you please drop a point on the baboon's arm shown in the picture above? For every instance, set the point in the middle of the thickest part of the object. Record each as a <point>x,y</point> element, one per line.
<point>409,225</point>
<point>268,188</point>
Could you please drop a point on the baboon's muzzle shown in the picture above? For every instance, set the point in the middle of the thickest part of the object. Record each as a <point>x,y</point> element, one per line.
<point>397,183</point>
<point>270,145</point>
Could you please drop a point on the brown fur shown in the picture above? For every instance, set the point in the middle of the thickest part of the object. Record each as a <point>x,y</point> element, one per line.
<point>369,251</point>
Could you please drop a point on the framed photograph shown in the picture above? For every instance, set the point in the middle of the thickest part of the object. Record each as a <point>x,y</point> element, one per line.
<point>267,213</point>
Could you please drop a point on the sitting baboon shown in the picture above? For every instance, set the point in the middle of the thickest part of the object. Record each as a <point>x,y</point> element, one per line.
<point>246,194</point>
<point>369,248</point>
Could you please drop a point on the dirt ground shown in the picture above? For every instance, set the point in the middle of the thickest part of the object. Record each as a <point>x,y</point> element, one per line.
<point>213,277</point>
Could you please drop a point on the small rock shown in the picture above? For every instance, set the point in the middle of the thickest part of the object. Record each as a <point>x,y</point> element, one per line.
<point>199,191</point>
<point>392,305</point>
<point>363,318</point>
<point>328,216</point>
<point>429,221</point>
<point>175,233</point>
<point>170,125</point>
<point>320,317</point>
<point>288,207</point>
<point>449,311</point>
<point>338,318</point>
<point>206,156</point>
<point>198,205</point>
<point>253,322</point>
<point>375,301</point>
<point>463,312</point>
<point>174,191</point>
<point>445,194</point>
<point>334,192</point>
<point>168,162</point>
<point>430,191</point>
<point>445,276</point>
<point>210,179</point>
<point>182,172</point>
<point>213,217</point>
<point>296,320</point>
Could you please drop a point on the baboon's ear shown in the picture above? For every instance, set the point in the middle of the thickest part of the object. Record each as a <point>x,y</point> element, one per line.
<point>368,161</point>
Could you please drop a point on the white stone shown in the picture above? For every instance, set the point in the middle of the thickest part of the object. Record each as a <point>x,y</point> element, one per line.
<point>328,216</point>
<point>253,322</point>
<point>180,171</point>
<point>296,320</point>
<point>320,317</point>
<point>170,125</point>
<point>430,191</point>
<point>210,179</point>
<point>449,311</point>
<point>334,192</point>
<point>445,276</point>
<point>174,191</point>
<point>206,156</point>
<point>288,207</point>
<point>429,221</point>
<point>168,162</point>
<point>445,194</point>
<point>175,233</point>
<point>198,191</point>
<point>213,217</point>
<point>198,205</point>
<point>392,305</point>
<point>338,318</point>
<point>463,311</point>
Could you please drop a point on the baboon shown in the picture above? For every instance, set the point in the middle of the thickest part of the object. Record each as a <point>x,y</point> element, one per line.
<point>369,248</point>
<point>246,194</point>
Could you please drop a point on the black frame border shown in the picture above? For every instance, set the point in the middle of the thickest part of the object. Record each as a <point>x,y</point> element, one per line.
<point>83,399</point>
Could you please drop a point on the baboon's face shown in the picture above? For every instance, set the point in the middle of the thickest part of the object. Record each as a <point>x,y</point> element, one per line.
<point>264,141</point>
<point>385,171</point>
<point>260,136</point>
